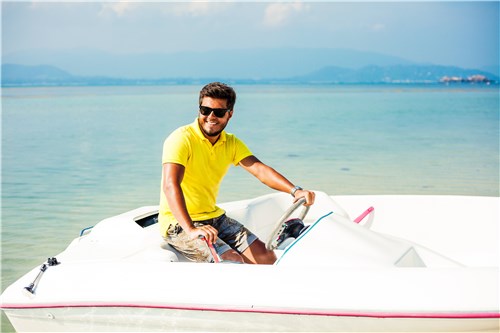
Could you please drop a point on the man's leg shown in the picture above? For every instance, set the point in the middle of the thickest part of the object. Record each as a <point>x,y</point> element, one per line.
<point>232,255</point>
<point>253,250</point>
<point>257,253</point>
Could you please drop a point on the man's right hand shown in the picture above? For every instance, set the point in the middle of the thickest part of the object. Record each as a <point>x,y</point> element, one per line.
<point>206,231</point>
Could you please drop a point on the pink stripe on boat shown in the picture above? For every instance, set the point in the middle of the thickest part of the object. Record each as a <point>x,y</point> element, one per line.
<point>375,314</point>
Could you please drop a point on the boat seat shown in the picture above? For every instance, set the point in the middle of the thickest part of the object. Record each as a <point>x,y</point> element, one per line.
<point>172,254</point>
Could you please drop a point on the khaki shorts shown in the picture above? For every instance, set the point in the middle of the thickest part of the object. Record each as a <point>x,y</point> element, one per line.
<point>231,235</point>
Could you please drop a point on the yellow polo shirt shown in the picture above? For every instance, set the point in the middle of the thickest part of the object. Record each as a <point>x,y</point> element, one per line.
<point>205,166</point>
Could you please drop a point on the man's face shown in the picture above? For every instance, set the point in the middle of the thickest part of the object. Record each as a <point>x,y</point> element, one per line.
<point>210,124</point>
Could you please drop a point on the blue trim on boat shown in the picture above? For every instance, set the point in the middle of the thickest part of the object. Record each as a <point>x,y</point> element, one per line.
<point>301,236</point>
<point>84,230</point>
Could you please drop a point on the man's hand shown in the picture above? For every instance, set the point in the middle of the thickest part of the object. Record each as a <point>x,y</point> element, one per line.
<point>206,231</point>
<point>308,195</point>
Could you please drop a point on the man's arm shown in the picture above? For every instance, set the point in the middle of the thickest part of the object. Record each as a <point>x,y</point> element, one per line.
<point>273,178</point>
<point>173,174</point>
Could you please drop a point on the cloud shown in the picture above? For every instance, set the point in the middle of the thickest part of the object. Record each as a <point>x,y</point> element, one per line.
<point>118,8</point>
<point>193,9</point>
<point>180,9</point>
<point>196,8</point>
<point>277,14</point>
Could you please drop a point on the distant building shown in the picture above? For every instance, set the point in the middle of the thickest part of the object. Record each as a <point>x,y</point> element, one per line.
<point>471,79</point>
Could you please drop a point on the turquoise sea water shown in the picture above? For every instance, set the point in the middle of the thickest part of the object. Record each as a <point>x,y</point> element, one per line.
<point>72,156</point>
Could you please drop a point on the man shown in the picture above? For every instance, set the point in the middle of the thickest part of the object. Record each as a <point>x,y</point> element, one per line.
<point>195,159</point>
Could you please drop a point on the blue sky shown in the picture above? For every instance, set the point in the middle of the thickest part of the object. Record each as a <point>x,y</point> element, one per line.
<point>464,34</point>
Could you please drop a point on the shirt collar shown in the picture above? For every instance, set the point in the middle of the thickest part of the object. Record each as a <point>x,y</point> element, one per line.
<point>196,128</point>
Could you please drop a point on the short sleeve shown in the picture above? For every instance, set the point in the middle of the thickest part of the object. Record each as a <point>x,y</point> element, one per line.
<point>241,151</point>
<point>176,148</point>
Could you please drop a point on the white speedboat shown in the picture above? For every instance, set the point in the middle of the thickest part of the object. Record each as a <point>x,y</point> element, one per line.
<point>426,263</point>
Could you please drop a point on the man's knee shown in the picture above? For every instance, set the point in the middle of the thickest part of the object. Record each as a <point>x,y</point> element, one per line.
<point>232,255</point>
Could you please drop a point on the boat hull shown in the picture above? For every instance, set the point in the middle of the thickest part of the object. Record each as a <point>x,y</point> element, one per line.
<point>136,318</point>
<point>274,298</point>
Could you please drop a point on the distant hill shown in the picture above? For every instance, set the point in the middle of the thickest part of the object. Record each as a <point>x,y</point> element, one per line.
<point>12,74</point>
<point>256,64</point>
<point>43,75</point>
<point>283,65</point>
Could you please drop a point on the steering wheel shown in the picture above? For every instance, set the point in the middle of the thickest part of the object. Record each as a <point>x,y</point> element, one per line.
<point>272,243</point>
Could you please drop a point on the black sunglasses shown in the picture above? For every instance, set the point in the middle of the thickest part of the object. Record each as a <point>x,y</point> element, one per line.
<point>219,113</point>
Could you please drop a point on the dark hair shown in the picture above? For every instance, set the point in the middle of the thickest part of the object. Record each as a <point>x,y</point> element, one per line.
<point>219,90</point>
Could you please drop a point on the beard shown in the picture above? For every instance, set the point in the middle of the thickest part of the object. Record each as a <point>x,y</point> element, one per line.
<point>209,130</point>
